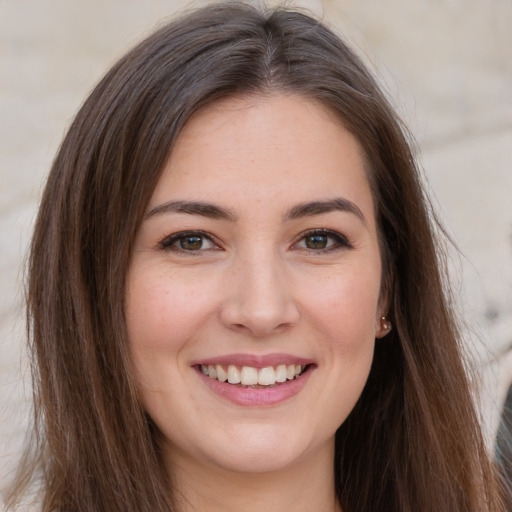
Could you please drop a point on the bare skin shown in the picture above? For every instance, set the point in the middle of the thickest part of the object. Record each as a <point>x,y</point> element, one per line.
<point>259,250</point>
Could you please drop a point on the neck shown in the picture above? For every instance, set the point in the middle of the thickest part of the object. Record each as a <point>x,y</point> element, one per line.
<point>304,485</point>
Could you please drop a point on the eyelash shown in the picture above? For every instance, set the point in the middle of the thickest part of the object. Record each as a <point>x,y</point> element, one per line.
<point>167,244</point>
<point>340,242</point>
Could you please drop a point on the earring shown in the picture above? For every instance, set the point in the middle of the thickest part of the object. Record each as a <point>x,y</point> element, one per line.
<point>385,326</point>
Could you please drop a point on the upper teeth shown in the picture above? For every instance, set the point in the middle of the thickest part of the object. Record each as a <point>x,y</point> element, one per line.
<point>249,376</point>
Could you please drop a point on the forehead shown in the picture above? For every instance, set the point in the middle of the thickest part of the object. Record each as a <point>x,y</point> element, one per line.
<point>256,149</point>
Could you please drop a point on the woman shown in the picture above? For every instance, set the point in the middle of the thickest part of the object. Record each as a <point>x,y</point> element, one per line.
<point>234,293</point>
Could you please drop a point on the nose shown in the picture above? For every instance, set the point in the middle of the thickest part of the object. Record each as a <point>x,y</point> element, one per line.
<point>260,298</point>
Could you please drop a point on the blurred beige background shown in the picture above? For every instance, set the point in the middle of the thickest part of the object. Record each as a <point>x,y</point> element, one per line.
<point>447,64</point>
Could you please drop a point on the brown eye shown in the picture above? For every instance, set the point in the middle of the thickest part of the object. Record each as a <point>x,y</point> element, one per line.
<point>191,243</point>
<point>188,242</point>
<point>322,241</point>
<point>316,241</point>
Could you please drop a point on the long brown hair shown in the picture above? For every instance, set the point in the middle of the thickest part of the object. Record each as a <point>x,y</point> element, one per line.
<point>412,443</point>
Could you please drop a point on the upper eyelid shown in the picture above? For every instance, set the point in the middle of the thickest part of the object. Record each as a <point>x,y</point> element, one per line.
<point>341,241</point>
<point>322,231</point>
<point>168,240</point>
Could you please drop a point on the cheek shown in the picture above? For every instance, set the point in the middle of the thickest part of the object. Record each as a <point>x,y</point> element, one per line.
<point>345,306</point>
<point>163,316</point>
<point>346,318</point>
<point>343,310</point>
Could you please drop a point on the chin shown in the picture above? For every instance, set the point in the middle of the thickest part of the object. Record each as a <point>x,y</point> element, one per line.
<point>257,461</point>
<point>264,449</point>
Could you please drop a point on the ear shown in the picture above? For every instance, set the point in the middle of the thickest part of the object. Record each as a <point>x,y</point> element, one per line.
<point>383,326</point>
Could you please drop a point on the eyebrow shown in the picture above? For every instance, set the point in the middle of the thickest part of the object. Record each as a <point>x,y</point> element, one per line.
<point>194,208</point>
<point>212,211</point>
<point>320,207</point>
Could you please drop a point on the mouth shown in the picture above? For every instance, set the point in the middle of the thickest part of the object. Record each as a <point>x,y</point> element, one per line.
<point>256,381</point>
<point>251,377</point>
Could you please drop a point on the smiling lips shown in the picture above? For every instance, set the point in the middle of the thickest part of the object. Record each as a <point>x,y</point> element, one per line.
<point>251,376</point>
<point>253,380</point>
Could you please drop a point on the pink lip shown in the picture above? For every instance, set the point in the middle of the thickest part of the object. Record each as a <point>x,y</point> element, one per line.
<point>266,396</point>
<point>256,361</point>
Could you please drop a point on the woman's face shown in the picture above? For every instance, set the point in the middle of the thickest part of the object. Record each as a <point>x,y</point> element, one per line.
<point>258,261</point>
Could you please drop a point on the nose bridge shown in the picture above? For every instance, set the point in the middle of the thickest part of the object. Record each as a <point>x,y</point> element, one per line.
<point>261,298</point>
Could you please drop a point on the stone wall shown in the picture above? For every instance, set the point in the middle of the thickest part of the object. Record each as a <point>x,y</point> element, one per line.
<point>447,64</point>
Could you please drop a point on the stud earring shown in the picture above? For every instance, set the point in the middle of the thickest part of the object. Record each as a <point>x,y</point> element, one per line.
<point>385,326</point>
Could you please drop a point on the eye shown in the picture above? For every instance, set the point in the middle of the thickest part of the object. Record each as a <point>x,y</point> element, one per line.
<point>322,240</point>
<point>316,241</point>
<point>188,241</point>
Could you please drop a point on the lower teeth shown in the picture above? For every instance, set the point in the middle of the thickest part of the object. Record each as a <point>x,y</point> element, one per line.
<point>257,386</point>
